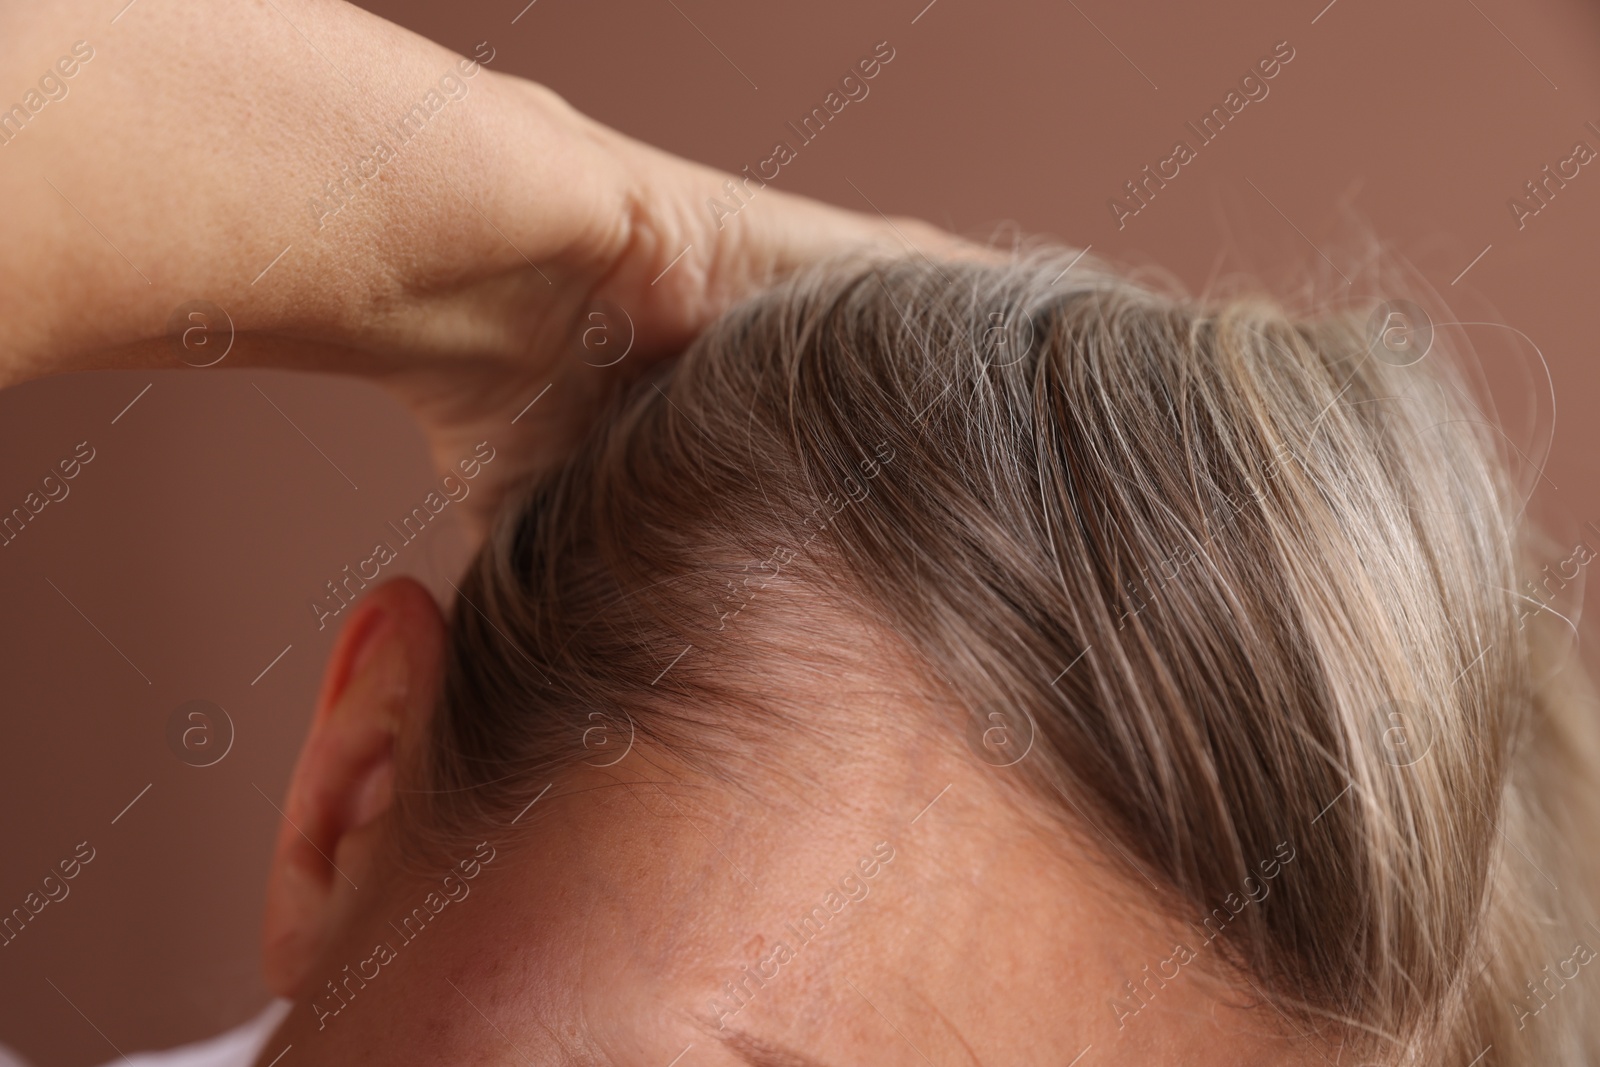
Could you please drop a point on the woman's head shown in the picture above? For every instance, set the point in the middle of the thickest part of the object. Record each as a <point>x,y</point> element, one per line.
<point>977,662</point>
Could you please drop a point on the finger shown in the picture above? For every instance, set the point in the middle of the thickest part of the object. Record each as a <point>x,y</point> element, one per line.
<point>686,261</point>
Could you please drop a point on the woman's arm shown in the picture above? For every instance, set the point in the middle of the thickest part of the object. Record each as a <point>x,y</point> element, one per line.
<point>353,197</point>
<point>346,196</point>
<point>183,157</point>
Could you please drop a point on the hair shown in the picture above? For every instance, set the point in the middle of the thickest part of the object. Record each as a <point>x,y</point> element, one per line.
<point>1245,582</point>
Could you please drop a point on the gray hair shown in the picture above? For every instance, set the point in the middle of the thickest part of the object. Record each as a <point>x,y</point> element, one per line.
<point>1247,583</point>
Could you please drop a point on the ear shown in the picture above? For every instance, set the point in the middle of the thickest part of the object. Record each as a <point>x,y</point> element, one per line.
<point>381,683</point>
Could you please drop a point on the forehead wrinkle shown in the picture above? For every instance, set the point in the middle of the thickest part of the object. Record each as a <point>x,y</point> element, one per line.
<point>758,1053</point>
<point>954,1030</point>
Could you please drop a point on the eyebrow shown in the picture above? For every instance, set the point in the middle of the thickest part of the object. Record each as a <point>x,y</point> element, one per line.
<point>759,1053</point>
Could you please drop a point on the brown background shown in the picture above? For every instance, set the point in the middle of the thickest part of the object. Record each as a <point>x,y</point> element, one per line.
<point>206,521</point>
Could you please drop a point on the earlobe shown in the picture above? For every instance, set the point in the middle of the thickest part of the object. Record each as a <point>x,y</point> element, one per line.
<point>379,687</point>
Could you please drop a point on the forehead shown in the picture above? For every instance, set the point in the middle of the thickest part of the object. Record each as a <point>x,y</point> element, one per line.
<point>870,910</point>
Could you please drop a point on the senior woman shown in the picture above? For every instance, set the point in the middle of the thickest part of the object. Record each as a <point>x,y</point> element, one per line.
<point>993,660</point>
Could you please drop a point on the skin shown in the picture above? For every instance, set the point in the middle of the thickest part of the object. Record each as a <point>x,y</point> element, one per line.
<point>462,279</point>
<point>610,919</point>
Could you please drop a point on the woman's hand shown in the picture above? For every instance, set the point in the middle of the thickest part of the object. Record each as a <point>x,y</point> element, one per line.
<point>358,200</point>
<point>645,265</point>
